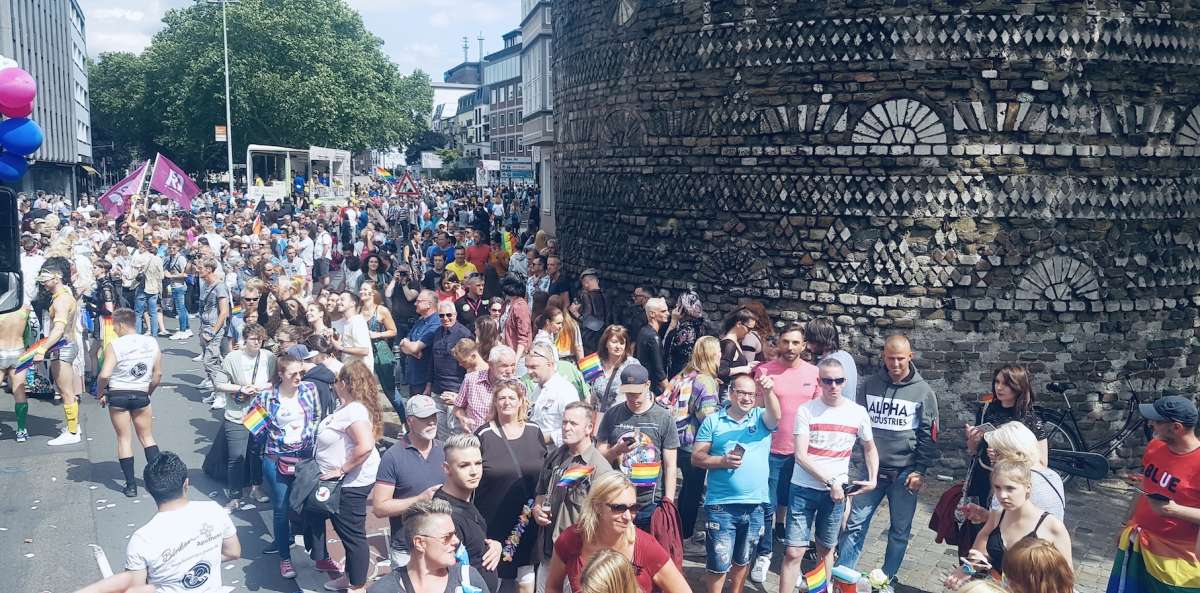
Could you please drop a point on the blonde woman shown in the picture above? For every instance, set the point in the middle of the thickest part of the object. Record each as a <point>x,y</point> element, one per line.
<point>693,395</point>
<point>609,572</point>
<point>569,340</point>
<point>1014,441</point>
<point>606,523</point>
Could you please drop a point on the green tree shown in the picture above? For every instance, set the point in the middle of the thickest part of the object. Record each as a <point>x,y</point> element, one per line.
<point>303,72</point>
<point>425,142</point>
<point>118,92</point>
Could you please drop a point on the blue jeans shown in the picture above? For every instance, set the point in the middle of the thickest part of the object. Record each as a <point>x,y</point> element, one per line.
<point>902,505</point>
<point>179,295</point>
<point>733,531</point>
<point>813,517</point>
<point>141,303</point>
<point>779,482</point>
<point>277,487</point>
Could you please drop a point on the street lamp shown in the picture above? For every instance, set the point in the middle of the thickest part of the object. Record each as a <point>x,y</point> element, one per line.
<point>228,117</point>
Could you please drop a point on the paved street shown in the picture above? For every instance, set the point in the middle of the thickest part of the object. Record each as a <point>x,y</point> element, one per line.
<point>56,502</point>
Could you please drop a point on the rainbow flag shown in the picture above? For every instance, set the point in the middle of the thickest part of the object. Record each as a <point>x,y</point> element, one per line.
<point>255,419</point>
<point>108,333</point>
<point>26,359</point>
<point>236,310</point>
<point>1142,558</point>
<point>590,367</point>
<point>383,173</point>
<point>644,475</point>
<point>574,474</point>
<point>506,241</point>
<point>817,578</point>
<point>258,225</point>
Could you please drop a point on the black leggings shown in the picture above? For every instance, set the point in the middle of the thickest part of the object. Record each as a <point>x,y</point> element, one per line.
<point>351,525</point>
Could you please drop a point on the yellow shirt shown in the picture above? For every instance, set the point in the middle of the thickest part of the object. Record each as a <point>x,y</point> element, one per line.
<point>461,270</point>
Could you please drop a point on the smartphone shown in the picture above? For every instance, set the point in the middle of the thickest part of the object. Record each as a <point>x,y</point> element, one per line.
<point>851,489</point>
<point>628,441</point>
<point>1158,497</point>
<point>738,449</point>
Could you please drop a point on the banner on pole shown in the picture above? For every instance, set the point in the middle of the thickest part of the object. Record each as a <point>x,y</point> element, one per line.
<point>220,133</point>
<point>116,200</point>
<point>431,160</point>
<point>169,180</point>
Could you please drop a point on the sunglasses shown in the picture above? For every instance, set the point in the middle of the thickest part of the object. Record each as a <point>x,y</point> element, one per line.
<point>620,509</point>
<point>837,381</point>
<point>446,315</point>
<point>444,539</point>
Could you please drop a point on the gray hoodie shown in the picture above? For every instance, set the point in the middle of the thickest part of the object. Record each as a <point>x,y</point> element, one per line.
<point>904,419</point>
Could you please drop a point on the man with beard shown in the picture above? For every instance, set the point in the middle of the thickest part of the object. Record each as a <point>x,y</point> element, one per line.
<point>410,471</point>
<point>464,469</point>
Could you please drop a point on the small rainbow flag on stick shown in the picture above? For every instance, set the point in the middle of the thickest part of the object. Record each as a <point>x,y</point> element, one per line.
<point>590,367</point>
<point>574,474</point>
<point>644,475</point>
<point>26,359</point>
<point>817,579</point>
<point>255,419</point>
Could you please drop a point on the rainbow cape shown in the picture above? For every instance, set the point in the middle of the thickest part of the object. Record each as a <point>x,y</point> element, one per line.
<point>644,475</point>
<point>574,474</point>
<point>1142,558</point>
<point>590,367</point>
<point>817,579</point>
<point>255,419</point>
<point>26,359</point>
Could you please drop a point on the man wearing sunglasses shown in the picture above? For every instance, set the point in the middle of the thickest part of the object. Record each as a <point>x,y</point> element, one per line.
<point>446,375</point>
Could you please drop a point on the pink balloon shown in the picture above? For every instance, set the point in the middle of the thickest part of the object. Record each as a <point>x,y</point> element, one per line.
<point>22,111</point>
<point>17,87</point>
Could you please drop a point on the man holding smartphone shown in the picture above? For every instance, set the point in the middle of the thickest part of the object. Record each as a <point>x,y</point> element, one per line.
<point>826,430</point>
<point>741,434</point>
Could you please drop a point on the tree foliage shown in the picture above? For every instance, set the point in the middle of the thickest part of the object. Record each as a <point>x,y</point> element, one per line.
<point>425,142</point>
<point>303,72</point>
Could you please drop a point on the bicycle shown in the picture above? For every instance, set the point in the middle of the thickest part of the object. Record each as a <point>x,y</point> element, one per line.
<point>1070,453</point>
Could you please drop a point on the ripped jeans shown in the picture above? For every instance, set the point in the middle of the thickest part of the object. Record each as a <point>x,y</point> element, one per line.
<point>732,534</point>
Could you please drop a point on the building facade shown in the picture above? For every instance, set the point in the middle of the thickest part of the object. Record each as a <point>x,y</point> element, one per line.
<point>502,81</point>
<point>537,99</point>
<point>1004,183</point>
<point>47,38</point>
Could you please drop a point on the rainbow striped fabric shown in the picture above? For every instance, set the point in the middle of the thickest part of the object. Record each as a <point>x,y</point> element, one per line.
<point>1147,563</point>
<point>574,474</point>
<point>383,173</point>
<point>236,310</point>
<point>26,359</point>
<point>506,241</point>
<point>590,367</point>
<point>644,475</point>
<point>817,579</point>
<point>255,419</point>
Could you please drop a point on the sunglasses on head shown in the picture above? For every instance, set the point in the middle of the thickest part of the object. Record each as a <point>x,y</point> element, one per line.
<point>837,381</point>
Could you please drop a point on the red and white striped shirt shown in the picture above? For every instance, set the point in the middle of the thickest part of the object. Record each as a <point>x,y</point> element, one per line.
<point>832,432</point>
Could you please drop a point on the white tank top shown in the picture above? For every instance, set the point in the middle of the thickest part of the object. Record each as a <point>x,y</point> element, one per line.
<point>136,355</point>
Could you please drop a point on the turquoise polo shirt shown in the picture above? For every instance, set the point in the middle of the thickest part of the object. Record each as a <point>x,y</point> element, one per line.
<point>748,483</point>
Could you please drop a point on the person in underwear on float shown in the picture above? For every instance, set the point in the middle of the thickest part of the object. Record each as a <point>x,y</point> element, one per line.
<point>12,346</point>
<point>64,313</point>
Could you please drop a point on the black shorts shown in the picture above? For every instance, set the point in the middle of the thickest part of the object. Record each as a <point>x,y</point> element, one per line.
<point>128,400</point>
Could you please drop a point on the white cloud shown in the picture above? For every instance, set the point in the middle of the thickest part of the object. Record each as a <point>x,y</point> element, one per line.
<point>118,14</point>
<point>131,41</point>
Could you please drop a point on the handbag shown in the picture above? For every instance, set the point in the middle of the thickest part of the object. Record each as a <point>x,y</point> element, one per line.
<point>383,352</point>
<point>325,499</point>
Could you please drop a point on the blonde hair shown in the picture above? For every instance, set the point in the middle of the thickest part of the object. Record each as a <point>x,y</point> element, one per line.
<point>604,489</point>
<point>1014,441</point>
<point>609,572</point>
<point>1034,565</point>
<point>518,388</point>
<point>981,586</point>
<point>363,387</point>
<point>1015,470</point>
<point>706,357</point>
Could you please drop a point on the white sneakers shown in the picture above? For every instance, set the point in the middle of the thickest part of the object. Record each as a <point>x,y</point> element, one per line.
<point>218,402</point>
<point>182,335</point>
<point>198,357</point>
<point>762,564</point>
<point>66,438</point>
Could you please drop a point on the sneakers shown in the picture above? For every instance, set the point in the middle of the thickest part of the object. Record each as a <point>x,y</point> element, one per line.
<point>218,402</point>
<point>206,384</point>
<point>130,490</point>
<point>182,335</point>
<point>762,564</point>
<point>328,565</point>
<point>163,333</point>
<point>338,584</point>
<point>286,570</point>
<point>22,435</point>
<point>66,438</point>
<point>198,357</point>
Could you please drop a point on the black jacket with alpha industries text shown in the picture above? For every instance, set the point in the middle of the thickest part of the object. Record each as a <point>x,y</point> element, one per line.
<point>904,419</point>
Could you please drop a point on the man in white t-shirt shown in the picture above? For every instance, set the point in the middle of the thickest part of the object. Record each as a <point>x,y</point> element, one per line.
<point>826,430</point>
<point>549,392</point>
<point>181,549</point>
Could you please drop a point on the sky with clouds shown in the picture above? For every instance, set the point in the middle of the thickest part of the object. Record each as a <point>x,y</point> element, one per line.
<point>431,39</point>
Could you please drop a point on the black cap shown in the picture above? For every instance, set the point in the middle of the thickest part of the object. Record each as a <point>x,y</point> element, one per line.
<point>634,379</point>
<point>1172,408</point>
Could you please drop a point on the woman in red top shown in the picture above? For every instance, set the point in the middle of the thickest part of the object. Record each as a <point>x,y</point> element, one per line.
<point>606,523</point>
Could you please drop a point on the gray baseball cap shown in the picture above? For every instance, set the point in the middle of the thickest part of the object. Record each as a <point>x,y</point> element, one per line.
<point>420,406</point>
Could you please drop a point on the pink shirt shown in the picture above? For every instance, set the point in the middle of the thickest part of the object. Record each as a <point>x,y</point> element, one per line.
<point>794,387</point>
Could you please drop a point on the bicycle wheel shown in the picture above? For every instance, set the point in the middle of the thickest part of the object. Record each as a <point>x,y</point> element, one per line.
<point>1060,436</point>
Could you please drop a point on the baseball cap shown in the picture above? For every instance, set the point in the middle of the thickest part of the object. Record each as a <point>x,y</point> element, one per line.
<point>420,406</point>
<point>589,272</point>
<point>634,379</point>
<point>1172,408</point>
<point>300,351</point>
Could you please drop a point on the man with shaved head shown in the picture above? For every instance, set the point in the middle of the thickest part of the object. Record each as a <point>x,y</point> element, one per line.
<point>904,419</point>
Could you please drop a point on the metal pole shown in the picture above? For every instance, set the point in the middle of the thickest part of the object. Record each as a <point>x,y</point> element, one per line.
<point>228,117</point>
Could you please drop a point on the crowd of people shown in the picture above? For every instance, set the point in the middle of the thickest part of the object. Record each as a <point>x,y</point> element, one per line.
<point>607,436</point>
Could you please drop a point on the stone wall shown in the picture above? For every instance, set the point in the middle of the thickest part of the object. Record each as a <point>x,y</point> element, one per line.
<point>1003,182</point>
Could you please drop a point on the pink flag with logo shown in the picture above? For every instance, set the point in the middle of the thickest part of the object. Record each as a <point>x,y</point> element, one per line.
<point>169,180</point>
<point>116,200</point>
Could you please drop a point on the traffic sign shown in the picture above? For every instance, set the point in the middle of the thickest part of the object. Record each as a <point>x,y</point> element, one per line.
<point>407,187</point>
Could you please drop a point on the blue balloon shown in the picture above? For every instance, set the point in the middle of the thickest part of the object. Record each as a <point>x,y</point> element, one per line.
<point>12,167</point>
<point>20,135</point>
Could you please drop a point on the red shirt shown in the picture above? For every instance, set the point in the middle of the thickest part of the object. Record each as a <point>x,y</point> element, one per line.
<point>1176,477</point>
<point>648,558</point>
<point>794,387</point>
<point>478,255</point>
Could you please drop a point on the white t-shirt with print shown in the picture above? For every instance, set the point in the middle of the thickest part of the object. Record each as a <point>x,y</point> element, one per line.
<point>355,334</point>
<point>832,432</point>
<point>290,417</point>
<point>180,550</point>
<point>334,445</point>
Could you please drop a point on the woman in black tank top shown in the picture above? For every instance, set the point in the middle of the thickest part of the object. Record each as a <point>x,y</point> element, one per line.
<point>1018,516</point>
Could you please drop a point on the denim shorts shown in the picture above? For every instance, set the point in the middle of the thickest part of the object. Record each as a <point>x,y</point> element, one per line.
<point>732,534</point>
<point>812,513</point>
